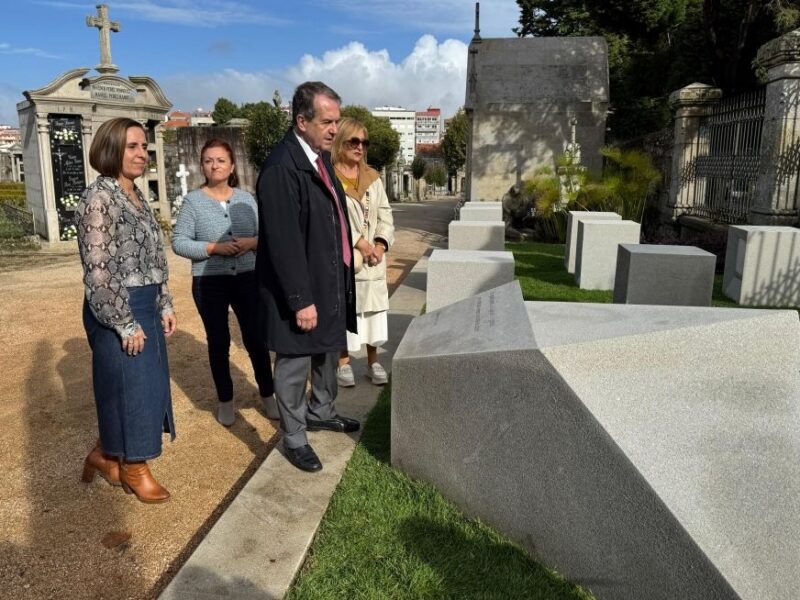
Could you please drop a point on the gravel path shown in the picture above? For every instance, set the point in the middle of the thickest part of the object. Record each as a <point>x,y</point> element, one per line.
<point>64,539</point>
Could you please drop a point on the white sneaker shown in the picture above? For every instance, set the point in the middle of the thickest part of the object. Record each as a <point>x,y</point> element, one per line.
<point>270,405</point>
<point>225,413</point>
<point>378,374</point>
<point>344,375</point>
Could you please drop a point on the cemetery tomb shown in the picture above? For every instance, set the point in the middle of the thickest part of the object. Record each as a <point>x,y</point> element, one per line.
<point>457,274</point>
<point>596,250</point>
<point>762,265</point>
<point>656,274</point>
<point>59,121</point>
<point>476,235</point>
<point>570,248</point>
<point>646,452</point>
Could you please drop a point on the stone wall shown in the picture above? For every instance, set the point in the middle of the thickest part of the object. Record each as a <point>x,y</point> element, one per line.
<point>190,140</point>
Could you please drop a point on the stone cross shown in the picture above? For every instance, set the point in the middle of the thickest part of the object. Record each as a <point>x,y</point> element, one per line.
<point>182,174</point>
<point>105,26</point>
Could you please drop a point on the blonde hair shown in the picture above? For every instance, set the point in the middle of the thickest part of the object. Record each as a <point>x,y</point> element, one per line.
<point>348,128</point>
<point>108,145</point>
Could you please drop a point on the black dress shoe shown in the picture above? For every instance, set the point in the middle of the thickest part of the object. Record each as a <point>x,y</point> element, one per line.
<point>337,423</point>
<point>304,458</point>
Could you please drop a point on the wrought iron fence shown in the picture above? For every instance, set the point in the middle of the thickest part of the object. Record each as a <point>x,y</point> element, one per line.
<point>719,183</point>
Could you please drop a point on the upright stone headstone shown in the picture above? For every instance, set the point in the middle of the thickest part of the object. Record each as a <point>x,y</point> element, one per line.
<point>647,452</point>
<point>457,274</point>
<point>476,235</point>
<point>481,211</point>
<point>522,95</point>
<point>58,123</point>
<point>762,265</point>
<point>596,250</point>
<point>571,245</point>
<point>662,274</point>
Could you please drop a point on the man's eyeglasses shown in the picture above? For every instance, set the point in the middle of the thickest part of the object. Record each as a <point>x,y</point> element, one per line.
<point>358,142</point>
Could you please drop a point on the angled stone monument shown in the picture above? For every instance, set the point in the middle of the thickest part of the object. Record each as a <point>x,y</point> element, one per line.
<point>646,452</point>
<point>571,246</point>
<point>596,250</point>
<point>663,274</point>
<point>476,235</point>
<point>762,265</point>
<point>457,274</point>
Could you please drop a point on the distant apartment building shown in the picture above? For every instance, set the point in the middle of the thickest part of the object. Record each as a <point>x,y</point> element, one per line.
<point>178,118</point>
<point>9,134</point>
<point>429,128</point>
<point>403,122</point>
<point>202,118</point>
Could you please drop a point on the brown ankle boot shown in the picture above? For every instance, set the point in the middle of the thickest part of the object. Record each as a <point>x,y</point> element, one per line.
<point>98,462</point>
<point>137,479</point>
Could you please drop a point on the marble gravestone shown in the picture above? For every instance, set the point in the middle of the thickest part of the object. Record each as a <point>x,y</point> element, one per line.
<point>481,211</point>
<point>457,274</point>
<point>596,250</point>
<point>762,265</point>
<point>573,217</point>
<point>664,274</point>
<point>646,452</point>
<point>476,235</point>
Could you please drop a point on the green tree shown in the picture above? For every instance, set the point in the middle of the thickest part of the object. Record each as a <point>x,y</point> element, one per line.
<point>454,144</point>
<point>436,175</point>
<point>712,41</point>
<point>384,142</point>
<point>268,125</point>
<point>224,111</point>
<point>418,167</point>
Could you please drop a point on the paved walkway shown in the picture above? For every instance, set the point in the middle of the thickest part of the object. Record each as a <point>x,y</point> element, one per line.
<point>256,548</point>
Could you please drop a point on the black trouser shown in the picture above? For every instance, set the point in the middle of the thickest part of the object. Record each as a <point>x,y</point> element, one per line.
<point>213,294</point>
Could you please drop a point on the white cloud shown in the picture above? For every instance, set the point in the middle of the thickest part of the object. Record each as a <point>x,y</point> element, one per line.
<point>193,13</point>
<point>433,74</point>
<point>6,48</point>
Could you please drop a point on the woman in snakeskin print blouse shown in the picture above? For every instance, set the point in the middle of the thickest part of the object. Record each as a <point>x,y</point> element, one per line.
<point>127,312</point>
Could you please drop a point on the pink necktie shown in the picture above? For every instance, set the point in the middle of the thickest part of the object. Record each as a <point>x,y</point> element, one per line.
<point>323,173</point>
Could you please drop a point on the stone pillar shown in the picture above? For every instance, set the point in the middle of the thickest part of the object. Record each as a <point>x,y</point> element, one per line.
<point>690,104</point>
<point>776,189</point>
<point>86,135</point>
<point>47,209</point>
<point>163,200</point>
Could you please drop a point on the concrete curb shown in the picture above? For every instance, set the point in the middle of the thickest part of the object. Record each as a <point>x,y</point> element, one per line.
<point>260,542</point>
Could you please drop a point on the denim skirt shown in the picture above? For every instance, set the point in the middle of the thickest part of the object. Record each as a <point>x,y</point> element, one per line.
<point>132,395</point>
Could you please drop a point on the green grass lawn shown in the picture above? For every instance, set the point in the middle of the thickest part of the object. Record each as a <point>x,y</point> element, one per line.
<point>542,276</point>
<point>386,536</point>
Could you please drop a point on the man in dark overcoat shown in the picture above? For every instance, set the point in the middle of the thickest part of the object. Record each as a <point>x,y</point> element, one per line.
<point>305,271</point>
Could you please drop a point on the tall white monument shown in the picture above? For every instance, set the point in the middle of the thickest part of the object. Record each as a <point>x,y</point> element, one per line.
<point>58,122</point>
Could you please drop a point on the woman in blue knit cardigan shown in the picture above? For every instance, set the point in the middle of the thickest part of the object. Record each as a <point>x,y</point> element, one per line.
<point>217,228</point>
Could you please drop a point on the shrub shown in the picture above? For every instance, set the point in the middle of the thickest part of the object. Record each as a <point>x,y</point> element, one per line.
<point>13,193</point>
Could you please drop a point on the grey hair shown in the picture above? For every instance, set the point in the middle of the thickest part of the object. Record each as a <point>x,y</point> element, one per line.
<point>303,99</point>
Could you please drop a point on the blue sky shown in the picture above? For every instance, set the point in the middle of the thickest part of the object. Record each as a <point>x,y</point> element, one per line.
<point>403,52</point>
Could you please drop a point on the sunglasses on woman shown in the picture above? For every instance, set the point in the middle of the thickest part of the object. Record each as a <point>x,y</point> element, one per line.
<point>354,141</point>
